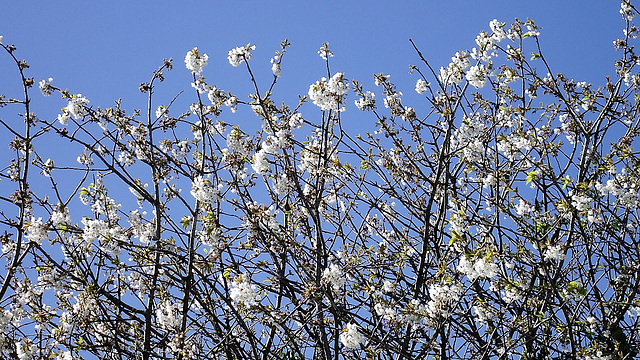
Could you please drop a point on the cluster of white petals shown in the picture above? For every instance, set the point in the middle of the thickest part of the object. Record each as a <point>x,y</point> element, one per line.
<point>367,101</point>
<point>523,208</point>
<point>167,316</point>
<point>624,189</point>
<point>554,252</point>
<point>443,297</point>
<point>195,61</point>
<point>514,146</point>
<point>328,95</point>
<point>203,190</point>
<point>333,277</point>
<point>479,269</point>
<point>36,231</point>
<point>243,292</point>
<point>75,108</point>
<point>239,54</point>
<point>351,338</point>
<point>45,87</point>
<point>477,76</point>
<point>453,74</point>
<point>468,138</point>
<point>598,355</point>
<point>421,86</point>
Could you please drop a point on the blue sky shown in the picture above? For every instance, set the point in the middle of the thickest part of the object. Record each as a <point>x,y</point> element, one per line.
<point>106,49</point>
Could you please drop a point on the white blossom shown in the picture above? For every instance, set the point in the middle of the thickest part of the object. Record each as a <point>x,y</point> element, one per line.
<point>328,94</point>
<point>351,338</point>
<point>45,86</point>
<point>479,269</point>
<point>554,252</point>
<point>64,355</point>
<point>523,208</point>
<point>167,316</point>
<point>476,76</point>
<point>60,215</point>
<point>195,61</point>
<point>243,292</point>
<point>421,86</point>
<point>275,66</point>
<point>333,277</point>
<point>75,107</point>
<point>239,54</point>
<point>367,101</point>
<point>36,232</point>
<point>203,190</point>
<point>261,163</point>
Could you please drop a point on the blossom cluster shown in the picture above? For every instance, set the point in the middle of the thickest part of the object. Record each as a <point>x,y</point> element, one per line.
<point>329,94</point>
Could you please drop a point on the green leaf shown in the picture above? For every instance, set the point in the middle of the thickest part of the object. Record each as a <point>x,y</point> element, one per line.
<point>531,175</point>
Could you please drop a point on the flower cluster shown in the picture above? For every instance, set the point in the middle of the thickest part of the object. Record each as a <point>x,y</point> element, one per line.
<point>479,269</point>
<point>75,108</point>
<point>333,277</point>
<point>328,95</point>
<point>243,292</point>
<point>203,190</point>
<point>195,61</point>
<point>443,297</point>
<point>239,54</point>
<point>45,87</point>
<point>367,101</point>
<point>351,338</point>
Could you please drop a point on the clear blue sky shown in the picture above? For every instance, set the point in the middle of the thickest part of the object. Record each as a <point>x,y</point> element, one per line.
<point>105,49</point>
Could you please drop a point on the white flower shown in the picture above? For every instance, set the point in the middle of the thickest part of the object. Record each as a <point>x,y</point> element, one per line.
<point>239,54</point>
<point>65,355</point>
<point>45,86</point>
<point>421,86</point>
<point>497,28</point>
<point>597,356</point>
<point>203,190</point>
<point>453,74</point>
<point>554,252</point>
<point>26,351</point>
<point>468,138</point>
<point>296,121</point>
<point>523,207</point>
<point>75,107</point>
<point>580,202</point>
<point>324,51</point>
<point>511,295</point>
<point>476,76</point>
<point>161,111</point>
<point>281,185</point>
<point>60,216</point>
<point>36,231</point>
<point>261,163</point>
<point>351,338</point>
<point>388,286</point>
<point>625,10</point>
<point>478,269</point>
<point>275,66</point>
<point>367,101</point>
<point>328,95</point>
<point>64,117</point>
<point>167,316</point>
<point>483,313</point>
<point>334,277</point>
<point>243,292</point>
<point>443,298</point>
<point>195,61</point>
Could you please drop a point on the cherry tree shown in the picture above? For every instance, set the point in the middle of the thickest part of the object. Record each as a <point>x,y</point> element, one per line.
<point>496,218</point>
